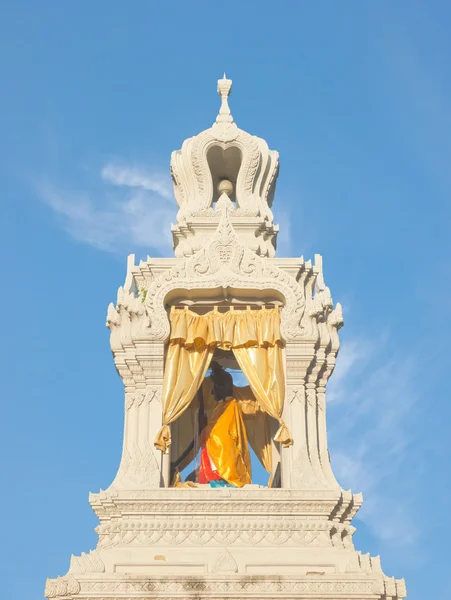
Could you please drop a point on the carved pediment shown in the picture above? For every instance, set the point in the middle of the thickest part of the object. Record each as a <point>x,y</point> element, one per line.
<point>225,263</point>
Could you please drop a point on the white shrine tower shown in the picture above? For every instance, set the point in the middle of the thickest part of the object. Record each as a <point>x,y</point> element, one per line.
<point>161,537</point>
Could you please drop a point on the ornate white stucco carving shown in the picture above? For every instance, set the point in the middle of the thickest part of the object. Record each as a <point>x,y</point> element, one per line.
<point>179,543</point>
<point>225,264</point>
<point>295,542</point>
<point>251,165</point>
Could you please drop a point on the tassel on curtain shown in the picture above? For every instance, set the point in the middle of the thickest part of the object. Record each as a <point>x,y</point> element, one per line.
<point>254,338</point>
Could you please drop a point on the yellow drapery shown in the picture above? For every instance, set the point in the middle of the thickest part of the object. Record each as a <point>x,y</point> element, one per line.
<point>263,368</point>
<point>257,425</point>
<point>256,422</point>
<point>227,443</point>
<point>185,370</point>
<point>226,330</point>
<point>254,337</point>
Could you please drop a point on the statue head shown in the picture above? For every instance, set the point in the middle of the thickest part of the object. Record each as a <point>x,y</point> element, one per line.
<point>222,382</point>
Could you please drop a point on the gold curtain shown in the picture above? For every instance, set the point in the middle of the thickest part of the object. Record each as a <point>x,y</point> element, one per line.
<point>185,370</point>
<point>263,368</point>
<point>254,337</point>
<point>257,426</point>
<point>226,330</point>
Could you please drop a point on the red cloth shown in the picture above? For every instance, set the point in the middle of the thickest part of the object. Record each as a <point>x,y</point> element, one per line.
<point>206,473</point>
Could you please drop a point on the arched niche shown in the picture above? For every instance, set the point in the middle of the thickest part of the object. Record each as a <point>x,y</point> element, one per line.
<point>201,301</point>
<point>224,163</point>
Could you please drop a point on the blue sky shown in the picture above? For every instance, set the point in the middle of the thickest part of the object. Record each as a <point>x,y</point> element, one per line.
<point>355,96</point>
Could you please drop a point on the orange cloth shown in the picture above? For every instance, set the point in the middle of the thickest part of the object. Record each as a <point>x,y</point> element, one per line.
<point>227,447</point>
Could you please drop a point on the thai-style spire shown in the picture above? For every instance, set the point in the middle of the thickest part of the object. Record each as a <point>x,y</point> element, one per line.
<point>224,89</point>
<point>224,152</point>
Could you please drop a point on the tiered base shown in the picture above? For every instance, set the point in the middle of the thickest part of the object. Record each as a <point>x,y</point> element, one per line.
<point>225,543</point>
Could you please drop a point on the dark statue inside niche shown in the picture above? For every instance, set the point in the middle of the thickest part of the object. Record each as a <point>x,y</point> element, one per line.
<point>224,459</point>
<point>222,382</point>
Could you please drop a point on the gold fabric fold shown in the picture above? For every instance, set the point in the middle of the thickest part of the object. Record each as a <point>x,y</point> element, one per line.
<point>263,368</point>
<point>185,370</point>
<point>257,425</point>
<point>178,483</point>
<point>226,330</point>
<point>254,337</point>
<point>255,420</point>
<point>163,439</point>
<point>227,443</point>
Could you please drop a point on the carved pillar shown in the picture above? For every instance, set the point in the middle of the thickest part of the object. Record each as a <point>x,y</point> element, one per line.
<point>322,437</point>
<point>140,466</point>
<point>321,419</point>
<point>312,412</point>
<point>329,338</point>
<point>151,358</point>
<point>297,470</point>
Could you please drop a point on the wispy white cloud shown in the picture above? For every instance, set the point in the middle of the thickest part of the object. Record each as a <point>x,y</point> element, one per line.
<point>132,208</point>
<point>372,396</point>
<point>137,177</point>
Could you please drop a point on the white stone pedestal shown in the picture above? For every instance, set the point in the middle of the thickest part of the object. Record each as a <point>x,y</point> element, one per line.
<point>225,543</point>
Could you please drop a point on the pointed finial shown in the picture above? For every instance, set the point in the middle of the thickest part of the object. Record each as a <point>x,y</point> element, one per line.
<point>224,89</point>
